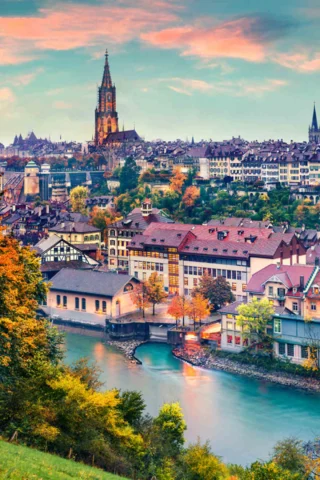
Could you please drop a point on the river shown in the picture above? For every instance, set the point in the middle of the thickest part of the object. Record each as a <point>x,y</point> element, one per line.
<point>241,417</point>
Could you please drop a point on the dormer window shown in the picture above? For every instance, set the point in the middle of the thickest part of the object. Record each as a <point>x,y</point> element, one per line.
<point>294,290</point>
<point>316,290</point>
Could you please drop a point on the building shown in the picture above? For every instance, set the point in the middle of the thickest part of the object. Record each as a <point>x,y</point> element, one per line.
<point>77,233</point>
<point>183,253</point>
<point>294,291</point>
<point>56,253</point>
<point>31,178</point>
<point>89,297</point>
<point>103,202</point>
<point>314,130</point>
<point>120,233</point>
<point>106,116</point>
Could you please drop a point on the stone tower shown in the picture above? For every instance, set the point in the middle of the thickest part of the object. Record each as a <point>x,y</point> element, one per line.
<point>31,178</point>
<point>314,130</point>
<point>106,115</point>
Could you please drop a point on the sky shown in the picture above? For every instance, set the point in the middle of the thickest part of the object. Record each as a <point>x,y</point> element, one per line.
<point>211,69</point>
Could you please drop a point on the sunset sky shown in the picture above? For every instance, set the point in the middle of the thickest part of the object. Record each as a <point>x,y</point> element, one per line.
<point>208,68</point>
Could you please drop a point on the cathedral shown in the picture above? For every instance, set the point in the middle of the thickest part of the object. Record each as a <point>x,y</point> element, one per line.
<point>314,130</point>
<point>106,116</point>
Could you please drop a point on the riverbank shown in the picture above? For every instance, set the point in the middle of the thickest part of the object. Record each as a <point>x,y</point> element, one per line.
<point>204,359</point>
<point>128,348</point>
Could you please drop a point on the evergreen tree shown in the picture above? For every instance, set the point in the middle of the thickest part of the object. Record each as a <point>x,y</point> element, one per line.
<point>129,175</point>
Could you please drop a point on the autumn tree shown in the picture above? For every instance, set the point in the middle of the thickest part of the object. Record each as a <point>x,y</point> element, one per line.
<point>177,180</point>
<point>254,318</point>
<point>199,462</point>
<point>178,308</point>
<point>190,196</point>
<point>198,308</point>
<point>289,455</point>
<point>216,290</point>
<point>78,196</point>
<point>155,291</point>
<point>140,298</point>
<point>102,218</point>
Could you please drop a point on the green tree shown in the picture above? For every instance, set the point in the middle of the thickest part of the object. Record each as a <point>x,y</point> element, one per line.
<point>129,175</point>
<point>198,462</point>
<point>78,197</point>
<point>254,318</point>
<point>289,455</point>
<point>216,290</point>
<point>131,406</point>
<point>171,427</point>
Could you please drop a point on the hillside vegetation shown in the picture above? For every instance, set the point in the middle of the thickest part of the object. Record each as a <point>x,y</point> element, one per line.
<point>18,462</point>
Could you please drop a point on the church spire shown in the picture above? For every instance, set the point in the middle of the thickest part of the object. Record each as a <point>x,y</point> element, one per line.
<point>314,124</point>
<point>106,80</point>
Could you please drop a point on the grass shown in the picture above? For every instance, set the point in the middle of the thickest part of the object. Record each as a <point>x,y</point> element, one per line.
<point>22,463</point>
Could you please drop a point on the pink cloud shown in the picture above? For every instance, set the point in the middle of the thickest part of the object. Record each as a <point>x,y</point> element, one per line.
<point>229,40</point>
<point>299,61</point>
<point>6,96</point>
<point>238,88</point>
<point>70,26</point>
<point>61,105</point>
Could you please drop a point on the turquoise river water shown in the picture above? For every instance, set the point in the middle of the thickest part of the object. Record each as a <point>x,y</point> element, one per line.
<point>241,417</point>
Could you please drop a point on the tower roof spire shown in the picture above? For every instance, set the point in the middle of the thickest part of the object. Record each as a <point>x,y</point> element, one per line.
<point>314,124</point>
<point>106,80</point>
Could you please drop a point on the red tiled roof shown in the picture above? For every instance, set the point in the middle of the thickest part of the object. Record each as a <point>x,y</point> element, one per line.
<point>289,275</point>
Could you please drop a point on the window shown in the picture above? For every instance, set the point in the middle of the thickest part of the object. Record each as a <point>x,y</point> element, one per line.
<point>290,350</point>
<point>104,306</point>
<point>97,237</point>
<point>112,242</point>
<point>86,238</point>
<point>237,340</point>
<point>195,282</point>
<point>229,339</point>
<point>112,233</point>
<point>65,301</point>
<point>281,292</point>
<point>295,306</point>
<point>270,292</point>
<point>234,287</point>
<point>277,325</point>
<point>83,304</point>
<point>229,325</point>
<point>76,303</point>
<point>97,303</point>
<point>112,251</point>
<point>244,287</point>
<point>313,306</point>
<point>282,348</point>
<point>185,281</point>
<point>304,352</point>
<point>58,300</point>
<point>55,259</point>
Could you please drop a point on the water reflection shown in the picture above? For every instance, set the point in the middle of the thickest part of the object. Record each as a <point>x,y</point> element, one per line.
<point>243,418</point>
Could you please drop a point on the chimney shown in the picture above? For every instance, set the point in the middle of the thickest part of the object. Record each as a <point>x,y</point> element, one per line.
<point>48,209</point>
<point>301,282</point>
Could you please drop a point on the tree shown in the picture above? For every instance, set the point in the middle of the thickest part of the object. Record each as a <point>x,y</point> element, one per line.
<point>78,196</point>
<point>102,218</point>
<point>198,462</point>
<point>171,426</point>
<point>190,196</point>
<point>177,180</point>
<point>129,175</point>
<point>289,455</point>
<point>155,291</point>
<point>140,298</point>
<point>254,318</point>
<point>178,308</point>
<point>216,290</point>
<point>197,308</point>
<point>131,406</point>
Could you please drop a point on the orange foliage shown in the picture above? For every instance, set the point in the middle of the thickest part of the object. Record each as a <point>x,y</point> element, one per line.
<point>177,180</point>
<point>198,308</point>
<point>190,196</point>
<point>140,298</point>
<point>177,308</point>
